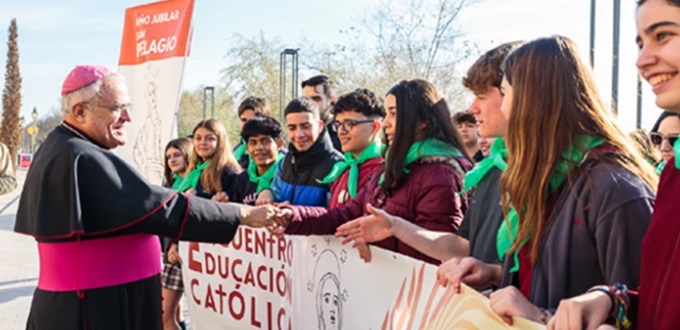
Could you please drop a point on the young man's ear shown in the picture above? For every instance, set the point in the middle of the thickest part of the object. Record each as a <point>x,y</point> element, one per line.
<point>377,125</point>
<point>321,125</point>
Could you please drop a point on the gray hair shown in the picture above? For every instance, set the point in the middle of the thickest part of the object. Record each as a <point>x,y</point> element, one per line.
<point>86,93</point>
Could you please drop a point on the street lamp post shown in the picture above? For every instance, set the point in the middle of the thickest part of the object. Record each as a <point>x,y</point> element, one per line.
<point>212,97</point>
<point>34,132</point>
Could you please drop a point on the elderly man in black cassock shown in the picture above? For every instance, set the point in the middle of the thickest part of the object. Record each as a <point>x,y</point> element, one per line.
<point>95,218</point>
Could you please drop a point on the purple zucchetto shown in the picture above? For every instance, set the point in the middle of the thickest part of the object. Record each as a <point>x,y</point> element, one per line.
<point>83,75</point>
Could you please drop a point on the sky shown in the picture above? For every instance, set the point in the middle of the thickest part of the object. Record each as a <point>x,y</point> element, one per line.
<point>54,36</point>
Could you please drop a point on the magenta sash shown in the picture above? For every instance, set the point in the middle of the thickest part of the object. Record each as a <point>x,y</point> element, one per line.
<point>98,263</point>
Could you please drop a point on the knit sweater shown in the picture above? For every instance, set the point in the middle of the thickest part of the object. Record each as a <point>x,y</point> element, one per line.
<point>659,287</point>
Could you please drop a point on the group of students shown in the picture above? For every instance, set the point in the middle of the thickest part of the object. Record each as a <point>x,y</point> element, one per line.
<point>561,222</point>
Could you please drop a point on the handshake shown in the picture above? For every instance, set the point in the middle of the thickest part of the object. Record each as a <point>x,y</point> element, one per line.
<point>273,217</point>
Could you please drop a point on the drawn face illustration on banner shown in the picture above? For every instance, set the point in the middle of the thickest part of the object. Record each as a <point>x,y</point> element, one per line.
<point>327,288</point>
<point>329,302</point>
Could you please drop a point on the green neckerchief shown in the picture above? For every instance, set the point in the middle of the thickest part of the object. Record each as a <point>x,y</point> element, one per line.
<point>496,158</point>
<point>659,168</point>
<point>571,158</point>
<point>676,153</point>
<point>427,148</point>
<point>373,150</point>
<point>265,180</point>
<point>191,179</point>
<point>240,150</point>
<point>177,182</point>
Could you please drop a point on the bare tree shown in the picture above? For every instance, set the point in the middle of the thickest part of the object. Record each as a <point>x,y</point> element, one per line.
<point>191,112</point>
<point>254,69</point>
<point>396,41</point>
<point>10,131</point>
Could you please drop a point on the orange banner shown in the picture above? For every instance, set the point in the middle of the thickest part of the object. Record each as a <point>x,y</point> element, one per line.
<point>156,31</point>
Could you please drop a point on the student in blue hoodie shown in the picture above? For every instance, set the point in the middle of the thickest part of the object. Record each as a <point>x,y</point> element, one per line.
<point>310,158</point>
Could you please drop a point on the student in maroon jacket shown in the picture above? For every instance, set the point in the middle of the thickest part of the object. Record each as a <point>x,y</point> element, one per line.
<point>658,26</point>
<point>357,122</point>
<point>421,178</point>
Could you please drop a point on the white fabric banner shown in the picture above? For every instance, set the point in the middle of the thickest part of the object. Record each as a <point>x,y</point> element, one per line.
<point>156,39</point>
<point>263,282</point>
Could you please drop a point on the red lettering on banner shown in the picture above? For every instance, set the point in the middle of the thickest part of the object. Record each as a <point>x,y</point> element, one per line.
<point>260,243</point>
<point>223,271</point>
<point>282,249</point>
<point>260,270</point>
<point>250,277</point>
<point>233,270</point>
<point>289,250</point>
<point>249,240</point>
<point>209,263</point>
<point>271,241</point>
<point>194,283</point>
<point>222,294</point>
<point>237,241</point>
<point>269,315</point>
<point>253,320</point>
<point>193,264</point>
<point>209,301</point>
<point>232,303</point>
<point>281,277</point>
<point>282,313</point>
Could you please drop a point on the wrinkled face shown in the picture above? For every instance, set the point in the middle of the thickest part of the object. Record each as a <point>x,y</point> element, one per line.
<point>468,132</point>
<point>356,131</point>
<point>669,127</point>
<point>175,159</point>
<point>330,305</point>
<point>245,117</point>
<point>205,143</point>
<point>506,105</point>
<point>658,28</point>
<point>485,145</point>
<point>316,93</point>
<point>389,123</point>
<point>303,129</point>
<point>491,122</point>
<point>263,149</point>
<point>105,115</point>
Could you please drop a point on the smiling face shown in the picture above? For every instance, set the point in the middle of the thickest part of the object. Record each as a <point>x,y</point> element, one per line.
<point>176,161</point>
<point>263,149</point>
<point>491,122</point>
<point>303,129</point>
<point>104,117</point>
<point>389,123</point>
<point>205,143</point>
<point>658,28</point>
<point>357,138</point>
<point>485,145</point>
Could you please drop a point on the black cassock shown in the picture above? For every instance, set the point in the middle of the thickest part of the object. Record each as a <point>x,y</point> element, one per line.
<point>95,219</point>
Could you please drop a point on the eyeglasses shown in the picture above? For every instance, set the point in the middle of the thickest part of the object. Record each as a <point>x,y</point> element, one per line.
<point>657,138</point>
<point>113,108</point>
<point>349,124</point>
<point>117,107</point>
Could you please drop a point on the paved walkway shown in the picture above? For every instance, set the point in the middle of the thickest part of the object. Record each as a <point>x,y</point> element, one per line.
<point>18,265</point>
